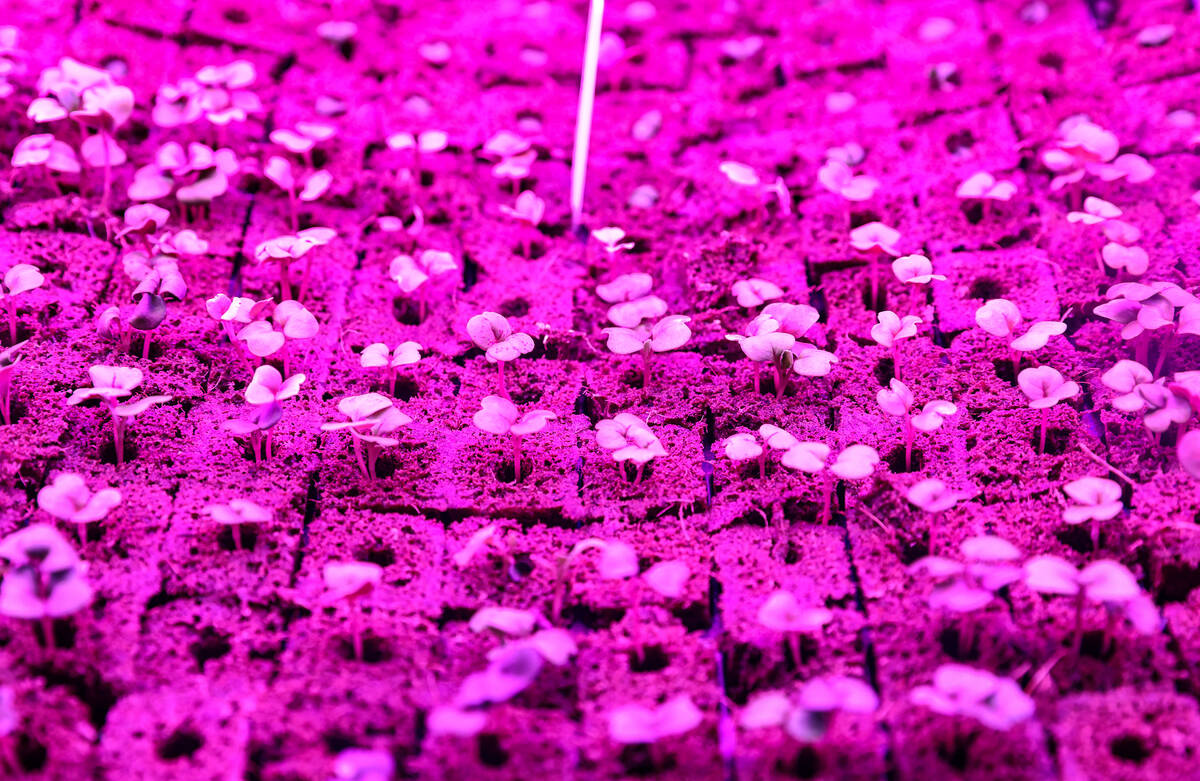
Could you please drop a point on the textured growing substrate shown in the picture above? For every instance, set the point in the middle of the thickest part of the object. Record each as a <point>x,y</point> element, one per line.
<point>197,661</point>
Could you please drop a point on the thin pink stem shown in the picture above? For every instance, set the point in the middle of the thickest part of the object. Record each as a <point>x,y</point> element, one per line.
<point>500,379</point>
<point>909,436</point>
<point>516,456</point>
<point>1042,438</point>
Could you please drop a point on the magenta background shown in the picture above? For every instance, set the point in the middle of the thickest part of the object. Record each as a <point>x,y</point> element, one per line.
<point>197,662</point>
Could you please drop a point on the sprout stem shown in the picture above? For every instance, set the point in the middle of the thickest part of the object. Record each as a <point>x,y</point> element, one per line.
<point>119,439</point>
<point>500,380</point>
<point>285,283</point>
<point>827,498</point>
<point>1042,438</point>
<point>146,346</point>
<point>636,631</point>
<point>1077,643</point>
<point>762,465</point>
<point>372,461</point>
<point>638,474</point>
<point>587,100</point>
<point>48,632</point>
<point>237,537</point>
<point>356,628</point>
<point>107,175</point>
<point>12,320</point>
<point>781,379</point>
<point>516,456</point>
<point>358,455</point>
<point>909,435</point>
<point>646,369</point>
<point>793,641</point>
<point>1164,350</point>
<point>6,400</point>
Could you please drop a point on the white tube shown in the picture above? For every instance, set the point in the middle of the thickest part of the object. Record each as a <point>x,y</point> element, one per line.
<point>587,100</point>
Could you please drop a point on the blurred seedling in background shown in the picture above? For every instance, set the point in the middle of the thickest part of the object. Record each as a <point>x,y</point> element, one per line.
<point>348,583</point>
<point>69,499</point>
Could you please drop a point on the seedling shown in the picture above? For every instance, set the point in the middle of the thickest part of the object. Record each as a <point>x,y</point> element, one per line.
<point>1044,386</point>
<point>290,322</point>
<point>1096,499</point>
<point>773,337</point>
<point>818,703</point>
<point>1143,308</point>
<point>69,499</point>
<point>1105,582</point>
<point>224,96</point>
<point>511,669</point>
<point>378,355</point>
<point>1086,148</point>
<point>492,333</point>
<point>529,212</point>
<point>637,724</point>
<point>934,497</point>
<point>743,447</point>
<point>754,292</point>
<point>301,139</point>
<point>110,383</point>
<point>836,177</point>
<point>44,150</point>
<point>617,562</point>
<point>1139,391</point>
<point>854,463</point>
<point>630,439</point>
<point>989,565</point>
<point>783,613</point>
<point>372,419</point>
<point>490,538</point>
<point>197,176</point>
<point>957,690</point>
<point>349,582</point>
<point>427,142</point>
<point>1095,211</point>
<point>304,186</point>
<point>613,240</point>
<point>669,333</point>
<point>238,514</point>
<point>875,240</point>
<point>20,278</point>
<point>267,391</point>
<point>1133,260</point>
<point>158,281</point>
<point>411,273</point>
<point>286,249</point>
<point>889,332</point>
<point>9,360</point>
<point>985,188</point>
<point>44,579</point>
<point>105,107</point>
<point>897,400</point>
<point>631,301</point>
<point>748,179</point>
<point>587,102</point>
<point>915,270</point>
<point>500,416</point>
<point>1000,317</point>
